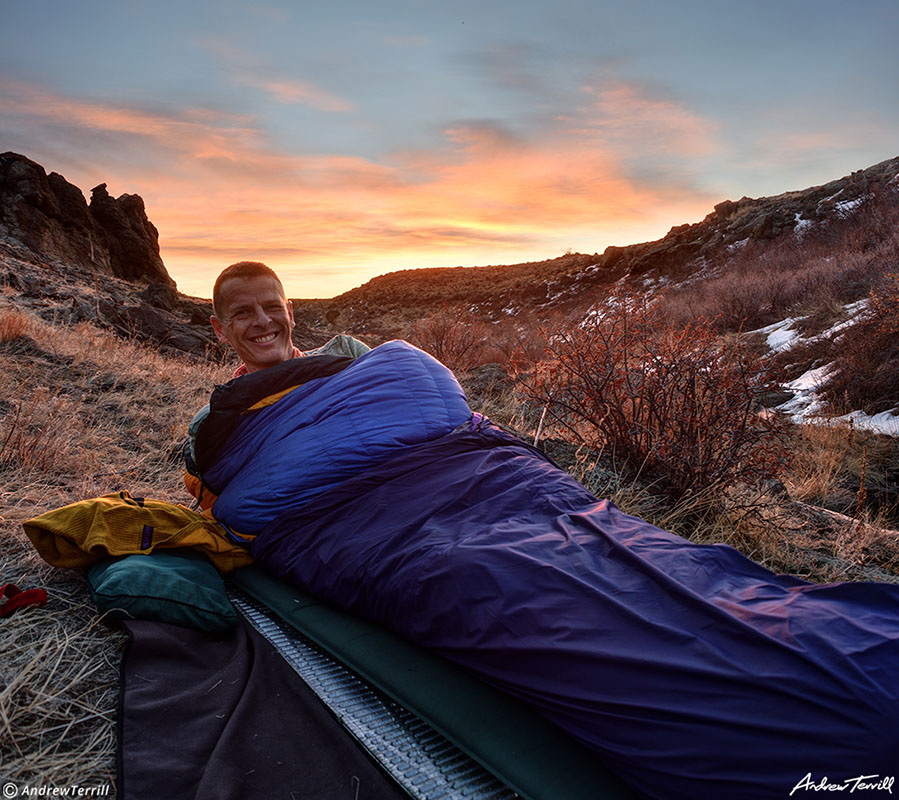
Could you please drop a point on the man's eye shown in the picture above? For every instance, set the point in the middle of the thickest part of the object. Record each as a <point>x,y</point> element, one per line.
<point>240,314</point>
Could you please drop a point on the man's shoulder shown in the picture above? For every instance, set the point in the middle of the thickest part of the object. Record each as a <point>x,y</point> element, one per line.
<point>341,345</point>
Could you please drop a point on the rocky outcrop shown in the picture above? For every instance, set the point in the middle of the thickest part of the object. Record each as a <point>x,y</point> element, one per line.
<point>49,216</point>
<point>133,239</point>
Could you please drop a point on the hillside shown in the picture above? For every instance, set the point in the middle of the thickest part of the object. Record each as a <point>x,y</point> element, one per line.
<point>574,282</point>
<point>99,262</point>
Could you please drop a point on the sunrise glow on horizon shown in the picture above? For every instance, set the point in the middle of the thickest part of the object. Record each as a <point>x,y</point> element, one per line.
<point>340,143</point>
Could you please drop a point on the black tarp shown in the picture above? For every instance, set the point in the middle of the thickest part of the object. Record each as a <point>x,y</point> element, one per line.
<point>223,717</point>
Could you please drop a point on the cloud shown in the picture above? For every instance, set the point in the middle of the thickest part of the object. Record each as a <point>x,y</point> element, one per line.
<point>219,190</point>
<point>248,69</point>
<point>624,117</point>
<point>289,92</point>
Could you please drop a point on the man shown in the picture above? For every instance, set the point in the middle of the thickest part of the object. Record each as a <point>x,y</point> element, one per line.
<point>253,315</point>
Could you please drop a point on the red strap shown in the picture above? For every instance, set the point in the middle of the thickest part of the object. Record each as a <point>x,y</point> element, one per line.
<point>16,598</point>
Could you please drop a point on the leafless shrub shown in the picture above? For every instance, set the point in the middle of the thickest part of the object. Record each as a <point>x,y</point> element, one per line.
<point>674,404</point>
<point>452,336</point>
<point>866,375</point>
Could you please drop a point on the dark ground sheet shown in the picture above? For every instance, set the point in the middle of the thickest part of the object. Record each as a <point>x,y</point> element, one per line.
<point>224,717</point>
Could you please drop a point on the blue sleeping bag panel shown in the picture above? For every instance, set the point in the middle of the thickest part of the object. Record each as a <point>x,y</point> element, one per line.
<point>330,428</point>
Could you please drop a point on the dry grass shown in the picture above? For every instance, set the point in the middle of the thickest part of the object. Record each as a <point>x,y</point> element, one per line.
<point>833,464</point>
<point>82,414</point>
<point>13,324</point>
<point>59,684</point>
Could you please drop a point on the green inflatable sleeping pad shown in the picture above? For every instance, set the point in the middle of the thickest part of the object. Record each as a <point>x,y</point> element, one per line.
<point>524,750</point>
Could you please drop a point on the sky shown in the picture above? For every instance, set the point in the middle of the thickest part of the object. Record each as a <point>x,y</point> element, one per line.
<point>336,142</point>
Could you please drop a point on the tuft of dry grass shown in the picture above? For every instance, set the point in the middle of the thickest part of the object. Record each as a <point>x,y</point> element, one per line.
<point>833,464</point>
<point>13,324</point>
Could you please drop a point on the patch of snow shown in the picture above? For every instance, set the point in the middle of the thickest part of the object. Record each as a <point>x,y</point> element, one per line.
<point>858,305</point>
<point>855,311</point>
<point>780,335</point>
<point>887,422</point>
<point>805,404</point>
<point>801,226</point>
<point>811,379</point>
<point>845,207</point>
<point>731,248</point>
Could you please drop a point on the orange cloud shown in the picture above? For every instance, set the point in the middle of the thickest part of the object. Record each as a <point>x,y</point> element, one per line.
<point>218,191</point>
<point>244,68</point>
<point>299,92</point>
<point>626,118</point>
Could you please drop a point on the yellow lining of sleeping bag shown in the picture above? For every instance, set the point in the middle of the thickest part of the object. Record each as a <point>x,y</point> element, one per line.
<point>204,497</point>
<point>244,537</point>
<point>273,398</point>
<point>207,499</point>
<point>82,533</point>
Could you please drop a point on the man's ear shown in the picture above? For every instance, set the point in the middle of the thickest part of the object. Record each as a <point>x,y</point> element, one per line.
<point>290,314</point>
<point>219,330</point>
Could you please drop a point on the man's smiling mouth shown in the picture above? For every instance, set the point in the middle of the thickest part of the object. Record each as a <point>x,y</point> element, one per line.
<point>265,339</point>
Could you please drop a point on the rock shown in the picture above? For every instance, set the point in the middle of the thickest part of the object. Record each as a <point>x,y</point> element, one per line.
<point>161,295</point>
<point>774,487</point>
<point>200,314</point>
<point>156,325</point>
<point>47,214</point>
<point>50,217</point>
<point>133,239</point>
<point>774,397</point>
<point>82,311</point>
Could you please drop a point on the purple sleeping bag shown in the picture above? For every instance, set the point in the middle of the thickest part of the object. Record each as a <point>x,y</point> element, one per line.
<point>692,671</point>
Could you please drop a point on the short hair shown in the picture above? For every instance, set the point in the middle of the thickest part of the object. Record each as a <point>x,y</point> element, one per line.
<point>242,269</point>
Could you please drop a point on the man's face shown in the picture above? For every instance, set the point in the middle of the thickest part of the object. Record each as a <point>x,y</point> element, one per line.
<point>256,320</point>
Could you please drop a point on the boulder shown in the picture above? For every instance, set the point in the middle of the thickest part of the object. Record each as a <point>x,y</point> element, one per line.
<point>48,215</point>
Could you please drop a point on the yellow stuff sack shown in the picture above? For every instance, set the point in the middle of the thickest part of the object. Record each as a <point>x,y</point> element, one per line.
<point>82,533</point>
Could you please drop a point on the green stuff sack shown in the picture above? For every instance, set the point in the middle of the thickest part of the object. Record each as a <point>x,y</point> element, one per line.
<point>180,588</point>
